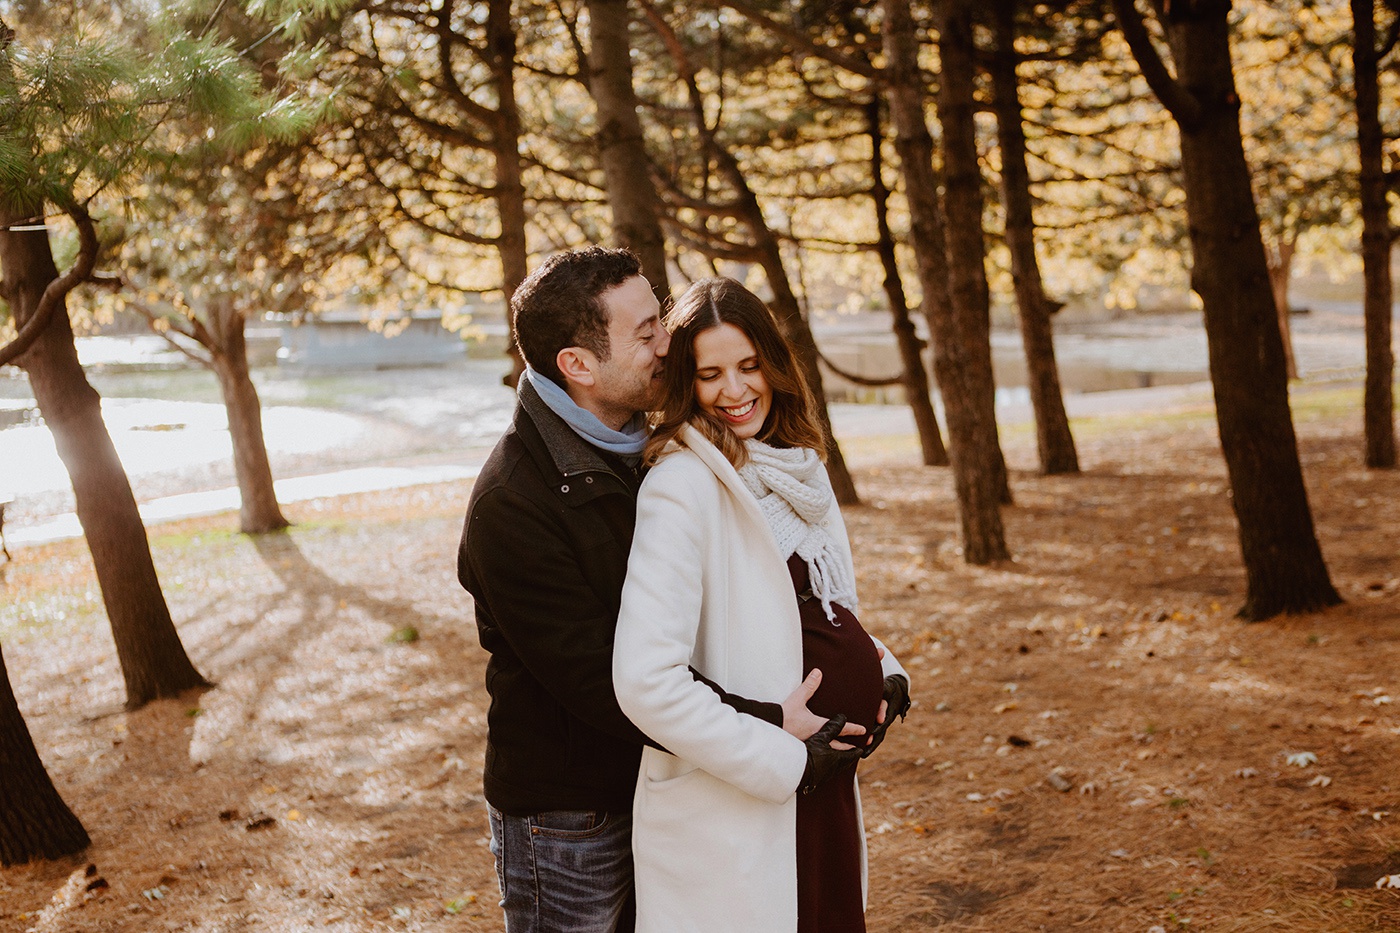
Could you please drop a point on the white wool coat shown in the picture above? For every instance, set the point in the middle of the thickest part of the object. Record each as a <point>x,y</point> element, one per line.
<point>714,820</point>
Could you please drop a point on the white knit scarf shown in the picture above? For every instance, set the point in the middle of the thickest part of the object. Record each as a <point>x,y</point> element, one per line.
<point>793,498</point>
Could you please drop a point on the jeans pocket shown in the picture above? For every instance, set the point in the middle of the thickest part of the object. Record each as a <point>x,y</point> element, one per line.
<point>569,824</point>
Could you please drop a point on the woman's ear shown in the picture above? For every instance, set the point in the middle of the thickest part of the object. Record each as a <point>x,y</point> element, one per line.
<point>577,365</point>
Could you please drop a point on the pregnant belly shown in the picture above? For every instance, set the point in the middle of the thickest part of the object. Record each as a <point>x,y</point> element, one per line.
<point>852,681</point>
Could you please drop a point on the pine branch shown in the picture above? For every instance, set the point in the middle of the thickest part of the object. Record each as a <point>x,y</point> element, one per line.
<point>1173,95</point>
<point>800,41</point>
<point>871,382</point>
<point>57,290</point>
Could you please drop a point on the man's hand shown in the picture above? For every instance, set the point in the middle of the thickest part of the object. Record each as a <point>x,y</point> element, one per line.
<point>895,703</point>
<point>800,721</point>
<point>825,755</point>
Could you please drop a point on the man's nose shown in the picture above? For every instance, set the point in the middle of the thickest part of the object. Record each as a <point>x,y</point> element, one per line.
<point>663,342</point>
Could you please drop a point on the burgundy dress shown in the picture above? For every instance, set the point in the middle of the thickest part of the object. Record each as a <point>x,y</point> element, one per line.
<point>828,825</point>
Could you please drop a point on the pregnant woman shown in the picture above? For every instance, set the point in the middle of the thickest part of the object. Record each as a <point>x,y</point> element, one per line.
<point>741,569</point>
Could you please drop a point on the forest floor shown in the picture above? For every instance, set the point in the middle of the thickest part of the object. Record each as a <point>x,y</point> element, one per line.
<point>1096,742</point>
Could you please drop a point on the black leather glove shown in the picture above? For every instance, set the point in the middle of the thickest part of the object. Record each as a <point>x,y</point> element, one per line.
<point>896,704</point>
<point>822,760</point>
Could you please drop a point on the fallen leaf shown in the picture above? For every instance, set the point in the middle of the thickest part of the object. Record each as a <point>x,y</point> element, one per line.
<point>1301,759</point>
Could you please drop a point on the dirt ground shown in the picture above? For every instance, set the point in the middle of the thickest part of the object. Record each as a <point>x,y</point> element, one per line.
<point>1096,743</point>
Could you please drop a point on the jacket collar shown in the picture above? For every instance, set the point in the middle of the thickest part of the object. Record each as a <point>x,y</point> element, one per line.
<point>719,464</point>
<point>560,446</point>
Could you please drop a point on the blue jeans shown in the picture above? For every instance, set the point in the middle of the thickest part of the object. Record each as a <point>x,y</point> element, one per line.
<point>565,871</point>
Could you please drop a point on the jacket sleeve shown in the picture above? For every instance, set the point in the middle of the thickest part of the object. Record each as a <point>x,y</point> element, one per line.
<point>525,571</point>
<point>768,712</point>
<point>656,636</point>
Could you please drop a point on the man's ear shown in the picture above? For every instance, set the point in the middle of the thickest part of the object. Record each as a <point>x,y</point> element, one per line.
<point>577,365</point>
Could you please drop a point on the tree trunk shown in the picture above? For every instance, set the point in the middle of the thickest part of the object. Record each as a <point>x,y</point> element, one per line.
<point>911,351</point>
<point>1376,240</point>
<point>636,207</point>
<point>259,511</point>
<point>788,311</point>
<point>34,820</point>
<point>1280,260</point>
<point>510,185</point>
<point>1054,441</point>
<point>153,661</point>
<point>974,477</point>
<point>766,249</point>
<point>1283,564</point>
<point>962,209</point>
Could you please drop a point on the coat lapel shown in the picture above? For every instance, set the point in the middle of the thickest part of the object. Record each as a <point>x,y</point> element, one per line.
<point>719,464</point>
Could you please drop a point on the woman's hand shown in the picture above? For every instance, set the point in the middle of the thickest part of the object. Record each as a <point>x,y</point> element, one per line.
<point>895,703</point>
<point>801,722</point>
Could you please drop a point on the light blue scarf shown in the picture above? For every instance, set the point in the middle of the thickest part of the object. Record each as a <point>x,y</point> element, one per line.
<point>628,442</point>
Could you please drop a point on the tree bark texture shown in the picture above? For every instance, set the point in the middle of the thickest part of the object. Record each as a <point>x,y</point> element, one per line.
<point>153,661</point>
<point>962,210</point>
<point>1054,442</point>
<point>259,511</point>
<point>636,206</point>
<point>974,476</point>
<point>911,351</point>
<point>1283,564</point>
<point>1376,239</point>
<point>34,820</point>
<point>505,146</point>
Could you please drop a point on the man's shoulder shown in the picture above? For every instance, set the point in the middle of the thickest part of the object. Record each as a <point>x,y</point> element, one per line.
<point>509,467</point>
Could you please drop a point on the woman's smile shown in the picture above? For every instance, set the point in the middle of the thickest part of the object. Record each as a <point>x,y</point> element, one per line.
<point>728,367</point>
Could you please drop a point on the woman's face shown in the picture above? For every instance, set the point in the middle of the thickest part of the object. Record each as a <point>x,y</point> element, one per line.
<point>729,382</point>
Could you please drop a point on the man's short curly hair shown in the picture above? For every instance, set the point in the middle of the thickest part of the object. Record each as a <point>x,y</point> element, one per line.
<point>559,305</point>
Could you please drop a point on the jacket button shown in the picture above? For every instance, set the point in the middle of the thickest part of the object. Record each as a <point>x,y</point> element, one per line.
<point>564,488</point>
<point>588,479</point>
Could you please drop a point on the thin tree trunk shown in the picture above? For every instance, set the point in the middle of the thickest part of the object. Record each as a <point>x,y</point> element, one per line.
<point>636,206</point>
<point>153,661</point>
<point>1280,260</point>
<point>979,508</point>
<point>911,350</point>
<point>259,511</point>
<point>962,208</point>
<point>34,820</point>
<point>1054,441</point>
<point>789,314</point>
<point>1376,239</point>
<point>784,303</point>
<point>1283,564</point>
<point>510,185</point>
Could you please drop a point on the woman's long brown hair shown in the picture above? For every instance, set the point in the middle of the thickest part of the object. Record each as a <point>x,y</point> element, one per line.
<point>791,421</point>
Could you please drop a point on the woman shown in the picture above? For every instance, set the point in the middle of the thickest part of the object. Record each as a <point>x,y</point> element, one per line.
<point>741,568</point>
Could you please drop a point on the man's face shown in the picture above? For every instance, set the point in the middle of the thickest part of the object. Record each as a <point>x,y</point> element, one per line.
<point>629,380</point>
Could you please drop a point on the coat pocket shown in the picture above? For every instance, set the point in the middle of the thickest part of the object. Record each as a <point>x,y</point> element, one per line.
<point>661,770</point>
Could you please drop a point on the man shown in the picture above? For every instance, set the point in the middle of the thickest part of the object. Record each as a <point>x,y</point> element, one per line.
<point>544,555</point>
